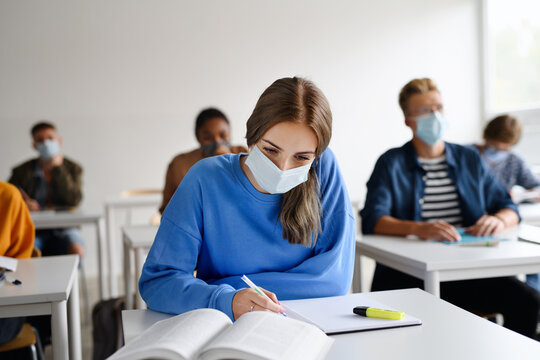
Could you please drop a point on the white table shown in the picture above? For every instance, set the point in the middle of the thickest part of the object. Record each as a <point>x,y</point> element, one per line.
<point>436,262</point>
<point>49,286</point>
<point>123,203</point>
<point>137,239</point>
<point>65,219</point>
<point>530,213</point>
<point>447,332</point>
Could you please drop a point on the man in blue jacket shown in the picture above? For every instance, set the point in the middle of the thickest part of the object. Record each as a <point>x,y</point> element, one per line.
<point>429,188</point>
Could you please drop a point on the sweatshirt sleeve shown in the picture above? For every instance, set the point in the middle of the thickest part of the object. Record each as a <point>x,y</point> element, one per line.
<point>17,233</point>
<point>167,283</point>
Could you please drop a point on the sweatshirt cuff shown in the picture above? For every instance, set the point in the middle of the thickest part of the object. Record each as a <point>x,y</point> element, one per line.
<point>224,301</point>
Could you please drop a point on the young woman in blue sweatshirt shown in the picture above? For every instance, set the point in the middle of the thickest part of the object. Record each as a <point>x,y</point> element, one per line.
<point>279,214</point>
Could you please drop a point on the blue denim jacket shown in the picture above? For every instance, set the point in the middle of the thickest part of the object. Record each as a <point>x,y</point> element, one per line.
<point>396,186</point>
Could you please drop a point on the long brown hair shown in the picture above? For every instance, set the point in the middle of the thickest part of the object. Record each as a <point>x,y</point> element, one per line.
<point>297,100</point>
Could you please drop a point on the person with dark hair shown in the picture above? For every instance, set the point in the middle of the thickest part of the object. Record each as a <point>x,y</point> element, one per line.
<point>280,214</point>
<point>213,132</point>
<point>500,135</point>
<point>429,188</point>
<point>51,181</point>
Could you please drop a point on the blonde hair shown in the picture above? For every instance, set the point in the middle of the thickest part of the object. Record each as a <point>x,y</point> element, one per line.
<point>504,128</point>
<point>415,86</point>
<point>300,101</point>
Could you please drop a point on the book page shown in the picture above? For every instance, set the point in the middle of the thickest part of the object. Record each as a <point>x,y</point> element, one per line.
<point>180,337</point>
<point>265,335</point>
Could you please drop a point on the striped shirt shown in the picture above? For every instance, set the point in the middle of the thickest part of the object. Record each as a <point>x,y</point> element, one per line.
<point>441,201</point>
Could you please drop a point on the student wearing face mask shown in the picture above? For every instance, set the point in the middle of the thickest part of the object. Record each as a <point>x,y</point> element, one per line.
<point>500,134</point>
<point>51,181</point>
<point>213,133</point>
<point>279,214</point>
<point>429,188</point>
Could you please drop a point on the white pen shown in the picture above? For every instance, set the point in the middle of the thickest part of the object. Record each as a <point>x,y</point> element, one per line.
<point>256,288</point>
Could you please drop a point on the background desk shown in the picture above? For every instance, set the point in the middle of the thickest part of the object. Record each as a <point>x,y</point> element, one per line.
<point>448,332</point>
<point>111,207</point>
<point>137,239</point>
<point>47,284</point>
<point>530,213</point>
<point>435,262</point>
<point>67,219</point>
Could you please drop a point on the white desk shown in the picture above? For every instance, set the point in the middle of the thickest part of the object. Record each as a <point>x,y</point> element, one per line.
<point>48,283</point>
<point>66,219</point>
<point>530,213</point>
<point>435,262</point>
<point>448,332</point>
<point>137,239</point>
<point>123,203</point>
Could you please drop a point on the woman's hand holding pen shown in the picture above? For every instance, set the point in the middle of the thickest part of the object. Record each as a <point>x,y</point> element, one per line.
<point>247,300</point>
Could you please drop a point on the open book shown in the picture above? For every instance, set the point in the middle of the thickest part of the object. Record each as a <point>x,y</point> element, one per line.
<point>209,334</point>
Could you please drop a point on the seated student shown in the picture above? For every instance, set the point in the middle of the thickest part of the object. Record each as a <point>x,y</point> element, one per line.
<point>280,214</point>
<point>213,132</point>
<point>51,181</point>
<point>500,134</point>
<point>428,188</point>
<point>16,240</point>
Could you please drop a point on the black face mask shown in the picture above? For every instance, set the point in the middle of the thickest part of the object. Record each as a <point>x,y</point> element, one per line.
<point>210,149</point>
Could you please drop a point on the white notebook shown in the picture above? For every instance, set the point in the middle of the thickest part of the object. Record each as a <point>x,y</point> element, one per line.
<point>334,315</point>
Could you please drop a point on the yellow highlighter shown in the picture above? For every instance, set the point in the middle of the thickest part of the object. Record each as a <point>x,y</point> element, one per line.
<point>378,313</point>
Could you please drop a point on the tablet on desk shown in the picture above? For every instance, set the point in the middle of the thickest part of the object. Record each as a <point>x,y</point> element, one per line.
<point>471,240</point>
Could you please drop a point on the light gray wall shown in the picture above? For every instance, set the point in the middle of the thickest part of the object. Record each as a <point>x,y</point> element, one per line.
<point>124,79</point>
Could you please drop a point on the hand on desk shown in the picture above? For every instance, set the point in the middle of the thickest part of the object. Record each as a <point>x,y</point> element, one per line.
<point>486,225</point>
<point>248,300</point>
<point>438,230</point>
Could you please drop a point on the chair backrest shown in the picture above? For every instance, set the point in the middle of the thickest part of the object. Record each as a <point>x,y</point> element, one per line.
<point>24,338</point>
<point>136,192</point>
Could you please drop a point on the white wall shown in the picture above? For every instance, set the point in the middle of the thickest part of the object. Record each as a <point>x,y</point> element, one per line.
<point>123,80</point>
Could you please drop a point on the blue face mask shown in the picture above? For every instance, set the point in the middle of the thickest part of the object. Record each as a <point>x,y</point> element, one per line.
<point>494,155</point>
<point>210,149</point>
<point>431,127</point>
<point>271,178</point>
<point>48,149</point>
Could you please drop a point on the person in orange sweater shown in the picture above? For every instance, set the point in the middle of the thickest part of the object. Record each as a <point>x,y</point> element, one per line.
<point>16,240</point>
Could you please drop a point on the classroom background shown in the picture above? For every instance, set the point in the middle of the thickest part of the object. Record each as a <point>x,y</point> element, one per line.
<point>123,80</point>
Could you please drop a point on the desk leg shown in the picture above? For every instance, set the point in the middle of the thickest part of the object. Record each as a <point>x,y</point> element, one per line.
<point>357,274</point>
<point>128,281</point>
<point>432,283</point>
<point>111,243</point>
<point>59,330</point>
<point>139,255</point>
<point>74,320</point>
<point>101,258</point>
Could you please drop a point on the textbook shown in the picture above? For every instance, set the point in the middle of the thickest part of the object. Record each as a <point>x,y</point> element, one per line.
<point>334,315</point>
<point>209,334</point>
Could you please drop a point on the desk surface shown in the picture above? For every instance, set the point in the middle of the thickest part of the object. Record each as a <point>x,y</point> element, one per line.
<point>448,332</point>
<point>433,256</point>
<point>43,279</point>
<point>530,213</point>
<point>134,201</point>
<point>140,235</point>
<point>51,219</point>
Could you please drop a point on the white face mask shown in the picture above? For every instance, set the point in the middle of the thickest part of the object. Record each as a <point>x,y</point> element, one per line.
<point>270,177</point>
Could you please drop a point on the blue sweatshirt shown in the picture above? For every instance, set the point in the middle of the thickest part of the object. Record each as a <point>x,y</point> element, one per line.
<point>219,224</point>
